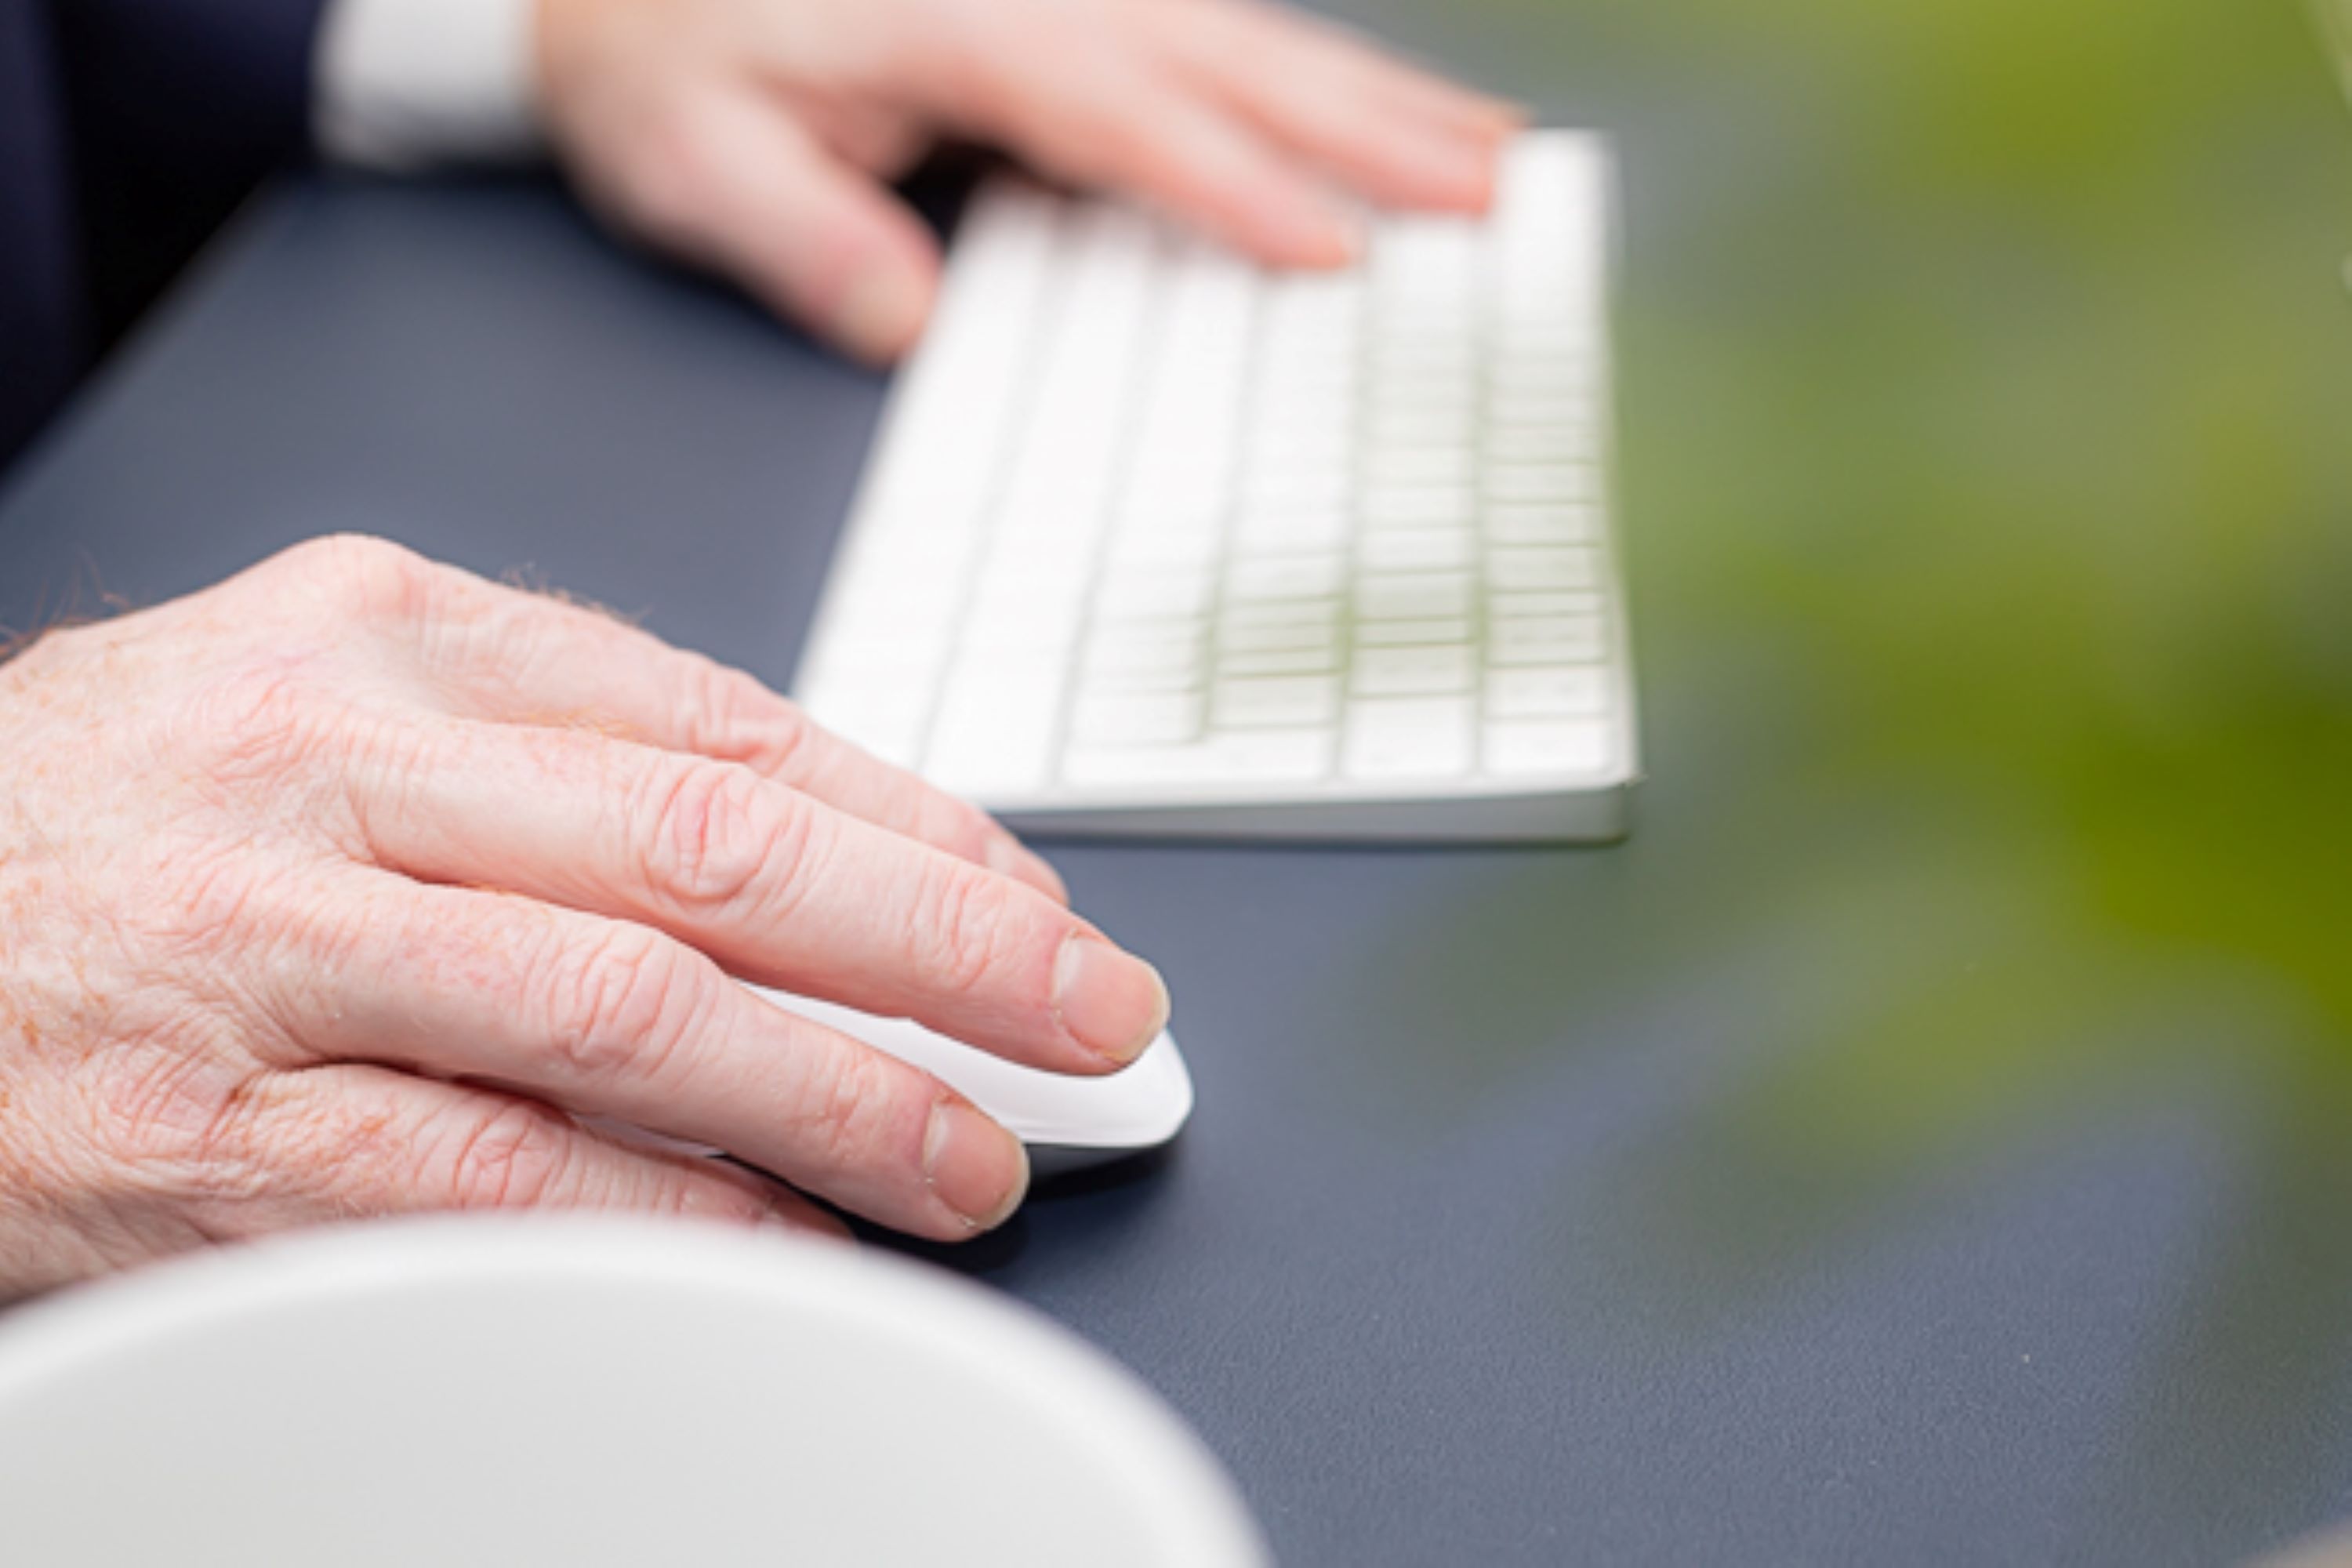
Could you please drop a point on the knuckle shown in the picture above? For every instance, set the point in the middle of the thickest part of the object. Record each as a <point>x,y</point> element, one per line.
<point>960,57</point>
<point>721,836</point>
<point>328,1154</point>
<point>737,719</point>
<point>373,579</point>
<point>508,1153</point>
<point>170,1111</point>
<point>966,938</point>
<point>622,1002</point>
<point>842,1107</point>
<point>958,826</point>
<point>784,740</point>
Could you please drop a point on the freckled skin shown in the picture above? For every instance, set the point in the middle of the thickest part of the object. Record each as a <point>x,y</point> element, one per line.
<point>286,934</point>
<point>74,807</point>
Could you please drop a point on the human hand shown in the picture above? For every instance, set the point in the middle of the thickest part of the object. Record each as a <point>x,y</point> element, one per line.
<point>756,136</point>
<point>322,889</point>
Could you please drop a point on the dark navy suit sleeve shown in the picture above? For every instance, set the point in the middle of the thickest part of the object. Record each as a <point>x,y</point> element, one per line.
<point>128,130</point>
<point>42,328</point>
<point>178,108</point>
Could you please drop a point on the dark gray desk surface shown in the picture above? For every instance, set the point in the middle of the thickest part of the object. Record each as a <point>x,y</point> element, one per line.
<point>1930,1139</point>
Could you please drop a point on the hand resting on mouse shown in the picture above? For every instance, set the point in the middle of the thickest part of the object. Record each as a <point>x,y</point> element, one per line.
<point>337,889</point>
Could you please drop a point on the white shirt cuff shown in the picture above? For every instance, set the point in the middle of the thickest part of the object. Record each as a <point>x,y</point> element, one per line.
<point>405,84</point>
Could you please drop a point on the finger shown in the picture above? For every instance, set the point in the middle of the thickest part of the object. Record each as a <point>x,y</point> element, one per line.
<point>881,141</point>
<point>494,653</point>
<point>357,1141</point>
<point>616,1021</point>
<point>1097,122</point>
<point>747,191</point>
<point>777,887</point>
<point>1318,110</point>
<point>1325,53</point>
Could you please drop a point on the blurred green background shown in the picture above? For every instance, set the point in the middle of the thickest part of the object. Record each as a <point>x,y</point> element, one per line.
<point>1985,386</point>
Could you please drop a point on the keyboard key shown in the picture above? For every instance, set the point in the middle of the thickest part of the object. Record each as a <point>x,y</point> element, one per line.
<point>1271,624</point>
<point>1516,569</point>
<point>1426,506</point>
<point>1238,620</point>
<point>1416,550</point>
<point>1406,739</point>
<point>1439,630</point>
<point>1404,467</point>
<point>1546,693</point>
<point>1164,547</point>
<point>1540,483</point>
<point>1510,606</point>
<point>1286,702</point>
<point>1435,392</point>
<point>1132,657</point>
<point>1519,748</point>
<point>1558,524</point>
<point>1450,397</point>
<point>1170,675</point>
<point>1194,507</point>
<point>1549,376</point>
<point>1328,423</point>
<point>1546,639</point>
<point>1410,671</point>
<point>1280,661</point>
<point>1276,637</point>
<point>1553,441</point>
<point>916,654</point>
<point>995,728</point>
<point>887,719</point>
<point>1291,531</point>
<point>1135,717</point>
<point>1286,577</point>
<point>1017,579</point>
<point>1293,756</point>
<point>1043,627</point>
<point>1129,595</point>
<point>1286,447</point>
<point>1409,426</point>
<point>1507,408</point>
<point>1325,487</point>
<point>1411,596</point>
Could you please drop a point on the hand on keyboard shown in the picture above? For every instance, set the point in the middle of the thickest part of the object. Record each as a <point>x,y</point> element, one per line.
<point>754,135</point>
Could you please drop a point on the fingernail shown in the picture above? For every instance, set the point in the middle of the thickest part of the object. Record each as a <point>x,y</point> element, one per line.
<point>1008,857</point>
<point>1349,236</point>
<point>1472,171</point>
<point>880,314</point>
<point>977,1168</point>
<point>1112,1003</point>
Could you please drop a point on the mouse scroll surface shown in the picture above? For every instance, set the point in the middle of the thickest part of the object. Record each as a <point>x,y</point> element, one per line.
<point>1068,1123</point>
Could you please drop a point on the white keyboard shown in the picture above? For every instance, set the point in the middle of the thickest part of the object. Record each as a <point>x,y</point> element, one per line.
<point>1156,542</point>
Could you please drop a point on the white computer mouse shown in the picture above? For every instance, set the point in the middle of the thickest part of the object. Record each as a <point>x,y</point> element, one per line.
<point>1068,1123</point>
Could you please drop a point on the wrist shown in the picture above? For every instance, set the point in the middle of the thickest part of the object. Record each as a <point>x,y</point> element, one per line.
<point>405,84</point>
